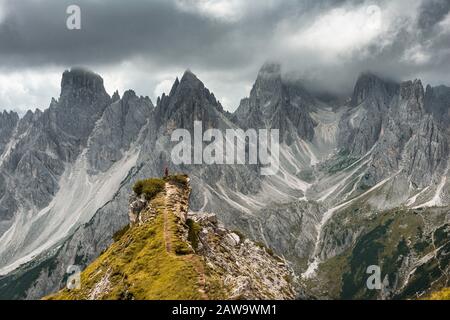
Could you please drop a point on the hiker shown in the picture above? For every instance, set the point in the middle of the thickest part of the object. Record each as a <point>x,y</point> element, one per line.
<point>166,172</point>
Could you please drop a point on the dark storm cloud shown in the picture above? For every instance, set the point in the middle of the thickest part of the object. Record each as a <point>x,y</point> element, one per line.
<point>34,32</point>
<point>414,42</point>
<point>325,42</point>
<point>431,13</point>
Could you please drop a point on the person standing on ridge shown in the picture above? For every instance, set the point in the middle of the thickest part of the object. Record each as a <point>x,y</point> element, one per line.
<point>166,172</point>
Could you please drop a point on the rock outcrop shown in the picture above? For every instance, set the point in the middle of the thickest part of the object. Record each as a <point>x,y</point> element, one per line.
<point>276,102</point>
<point>361,125</point>
<point>248,270</point>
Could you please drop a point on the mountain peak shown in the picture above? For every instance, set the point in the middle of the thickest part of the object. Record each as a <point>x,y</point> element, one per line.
<point>129,94</point>
<point>412,89</point>
<point>190,79</point>
<point>188,100</point>
<point>437,102</point>
<point>269,78</point>
<point>370,85</point>
<point>270,69</point>
<point>8,118</point>
<point>77,79</point>
<point>174,87</point>
<point>115,97</point>
<point>9,114</point>
<point>81,77</point>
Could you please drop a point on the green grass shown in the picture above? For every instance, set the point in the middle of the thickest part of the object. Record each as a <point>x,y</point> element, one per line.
<point>340,162</point>
<point>138,266</point>
<point>194,229</point>
<point>443,294</point>
<point>118,235</point>
<point>179,245</point>
<point>180,179</point>
<point>330,275</point>
<point>149,187</point>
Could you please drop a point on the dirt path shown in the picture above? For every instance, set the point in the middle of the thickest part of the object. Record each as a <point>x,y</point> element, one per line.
<point>200,269</point>
<point>170,208</point>
<point>167,240</point>
<point>166,233</point>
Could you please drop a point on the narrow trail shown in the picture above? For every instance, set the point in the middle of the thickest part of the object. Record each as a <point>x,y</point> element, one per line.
<point>167,240</point>
<point>171,207</point>
<point>166,234</point>
<point>200,269</point>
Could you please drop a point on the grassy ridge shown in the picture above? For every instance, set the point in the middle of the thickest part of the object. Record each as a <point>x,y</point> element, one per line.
<point>138,265</point>
<point>443,294</point>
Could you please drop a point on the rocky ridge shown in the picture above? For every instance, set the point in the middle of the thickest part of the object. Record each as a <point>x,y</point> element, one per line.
<point>192,256</point>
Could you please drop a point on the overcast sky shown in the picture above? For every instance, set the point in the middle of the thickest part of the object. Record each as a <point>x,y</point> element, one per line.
<point>144,45</point>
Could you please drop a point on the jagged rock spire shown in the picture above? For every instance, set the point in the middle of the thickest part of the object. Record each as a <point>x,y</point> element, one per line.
<point>174,87</point>
<point>370,85</point>
<point>81,79</point>
<point>188,100</point>
<point>279,104</point>
<point>115,97</point>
